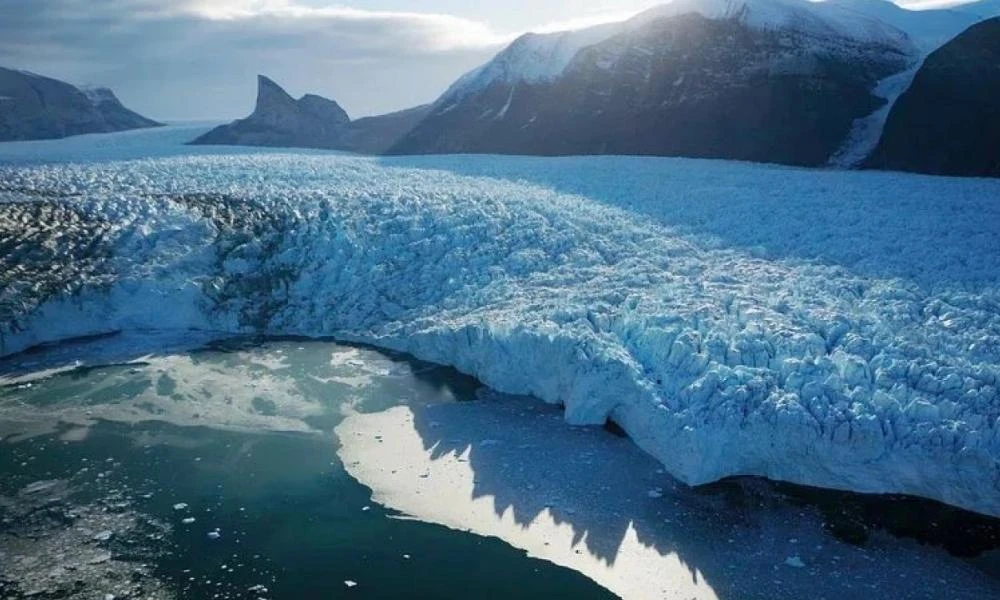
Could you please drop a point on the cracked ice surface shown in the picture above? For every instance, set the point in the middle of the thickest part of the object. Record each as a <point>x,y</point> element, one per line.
<point>830,329</point>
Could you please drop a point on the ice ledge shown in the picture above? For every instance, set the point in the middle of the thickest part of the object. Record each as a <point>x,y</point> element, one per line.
<point>715,361</point>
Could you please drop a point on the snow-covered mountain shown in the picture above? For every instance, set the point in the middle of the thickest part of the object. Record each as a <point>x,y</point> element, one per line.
<point>537,58</point>
<point>534,58</point>
<point>789,81</point>
<point>948,121</point>
<point>765,80</point>
<point>928,29</point>
<point>37,107</point>
<point>278,120</point>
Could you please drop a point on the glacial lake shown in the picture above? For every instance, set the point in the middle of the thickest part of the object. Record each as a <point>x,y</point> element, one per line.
<point>214,474</point>
<point>286,468</point>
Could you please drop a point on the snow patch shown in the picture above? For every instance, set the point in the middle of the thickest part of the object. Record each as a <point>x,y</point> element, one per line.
<point>867,131</point>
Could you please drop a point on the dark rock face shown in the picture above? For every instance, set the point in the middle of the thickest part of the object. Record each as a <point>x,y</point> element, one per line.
<point>682,85</point>
<point>280,120</point>
<point>375,135</point>
<point>948,121</point>
<point>36,107</point>
<point>309,122</point>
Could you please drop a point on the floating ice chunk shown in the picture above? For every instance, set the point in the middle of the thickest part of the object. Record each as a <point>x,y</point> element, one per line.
<point>103,536</point>
<point>350,583</point>
<point>795,561</point>
<point>39,486</point>
<point>181,506</point>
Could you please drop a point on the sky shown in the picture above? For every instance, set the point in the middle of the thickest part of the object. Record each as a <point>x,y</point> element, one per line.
<point>198,59</point>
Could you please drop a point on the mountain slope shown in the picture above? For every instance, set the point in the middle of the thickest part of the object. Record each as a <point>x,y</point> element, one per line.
<point>114,112</point>
<point>279,120</point>
<point>948,121</point>
<point>37,107</point>
<point>374,135</point>
<point>766,80</point>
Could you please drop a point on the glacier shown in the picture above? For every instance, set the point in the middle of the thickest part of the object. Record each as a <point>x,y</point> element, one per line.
<point>834,329</point>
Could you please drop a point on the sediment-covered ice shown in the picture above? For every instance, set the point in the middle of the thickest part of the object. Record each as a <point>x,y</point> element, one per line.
<point>826,328</point>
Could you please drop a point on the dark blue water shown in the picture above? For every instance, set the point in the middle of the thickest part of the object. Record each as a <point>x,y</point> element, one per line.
<point>241,435</point>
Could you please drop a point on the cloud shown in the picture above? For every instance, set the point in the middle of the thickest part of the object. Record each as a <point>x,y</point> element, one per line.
<point>429,31</point>
<point>584,22</point>
<point>192,58</point>
<point>199,58</point>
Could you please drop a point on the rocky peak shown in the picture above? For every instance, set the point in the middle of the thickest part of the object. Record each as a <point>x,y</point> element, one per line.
<point>309,122</point>
<point>97,95</point>
<point>323,108</point>
<point>272,99</point>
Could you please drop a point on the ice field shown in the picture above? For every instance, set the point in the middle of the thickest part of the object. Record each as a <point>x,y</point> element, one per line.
<point>829,328</point>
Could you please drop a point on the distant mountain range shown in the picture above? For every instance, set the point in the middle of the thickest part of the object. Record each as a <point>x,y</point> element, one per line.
<point>37,107</point>
<point>783,81</point>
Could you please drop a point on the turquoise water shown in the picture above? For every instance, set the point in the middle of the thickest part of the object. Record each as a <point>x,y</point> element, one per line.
<point>239,438</point>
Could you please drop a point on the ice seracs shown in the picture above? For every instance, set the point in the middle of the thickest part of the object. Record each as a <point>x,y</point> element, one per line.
<point>732,318</point>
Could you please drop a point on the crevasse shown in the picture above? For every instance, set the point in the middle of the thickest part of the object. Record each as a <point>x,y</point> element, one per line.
<point>830,329</point>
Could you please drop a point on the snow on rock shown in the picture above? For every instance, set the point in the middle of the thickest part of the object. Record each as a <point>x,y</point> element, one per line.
<point>542,57</point>
<point>531,58</point>
<point>821,19</point>
<point>928,28</point>
<point>867,131</point>
<point>830,329</point>
<point>795,561</point>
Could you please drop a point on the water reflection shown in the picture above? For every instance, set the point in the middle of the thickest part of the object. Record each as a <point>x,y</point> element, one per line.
<point>511,468</point>
<point>212,473</point>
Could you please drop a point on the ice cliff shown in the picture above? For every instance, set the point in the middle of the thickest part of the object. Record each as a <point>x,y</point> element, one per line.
<point>830,329</point>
